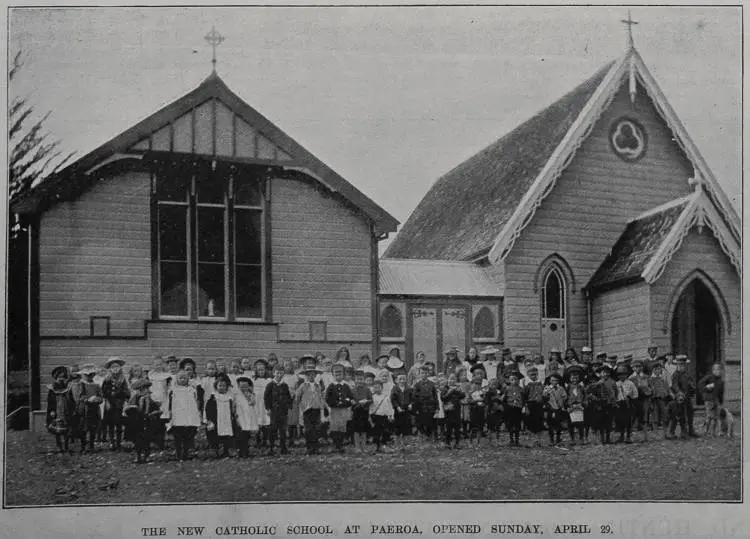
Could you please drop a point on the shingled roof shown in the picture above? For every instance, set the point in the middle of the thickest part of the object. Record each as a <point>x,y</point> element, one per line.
<point>464,211</point>
<point>636,246</point>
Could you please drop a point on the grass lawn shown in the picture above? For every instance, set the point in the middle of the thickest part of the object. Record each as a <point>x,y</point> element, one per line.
<point>695,469</point>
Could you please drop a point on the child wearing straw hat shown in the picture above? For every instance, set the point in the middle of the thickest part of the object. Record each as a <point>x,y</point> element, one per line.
<point>309,399</point>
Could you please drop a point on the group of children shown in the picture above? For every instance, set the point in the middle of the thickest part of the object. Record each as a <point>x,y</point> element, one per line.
<point>268,402</point>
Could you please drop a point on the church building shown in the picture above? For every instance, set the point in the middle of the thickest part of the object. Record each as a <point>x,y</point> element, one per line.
<point>204,231</point>
<point>595,222</point>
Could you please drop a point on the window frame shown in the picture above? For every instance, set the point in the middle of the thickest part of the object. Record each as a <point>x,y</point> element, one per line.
<point>227,175</point>
<point>562,287</point>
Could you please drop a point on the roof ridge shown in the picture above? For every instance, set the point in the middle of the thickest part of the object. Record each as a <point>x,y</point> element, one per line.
<point>663,207</point>
<point>430,261</point>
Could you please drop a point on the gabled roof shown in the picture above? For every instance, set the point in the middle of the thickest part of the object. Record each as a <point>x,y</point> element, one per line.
<point>480,207</point>
<point>649,241</point>
<point>404,277</point>
<point>78,176</point>
<point>461,215</point>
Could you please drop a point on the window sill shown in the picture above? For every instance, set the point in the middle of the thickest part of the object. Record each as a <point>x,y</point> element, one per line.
<point>392,339</point>
<point>211,321</point>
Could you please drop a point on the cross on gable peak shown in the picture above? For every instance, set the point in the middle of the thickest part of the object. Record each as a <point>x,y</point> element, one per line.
<point>629,22</point>
<point>214,38</point>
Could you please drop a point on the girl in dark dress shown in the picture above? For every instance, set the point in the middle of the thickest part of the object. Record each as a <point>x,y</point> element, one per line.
<point>60,408</point>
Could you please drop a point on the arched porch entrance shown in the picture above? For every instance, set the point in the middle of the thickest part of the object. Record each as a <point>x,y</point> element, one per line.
<point>697,328</point>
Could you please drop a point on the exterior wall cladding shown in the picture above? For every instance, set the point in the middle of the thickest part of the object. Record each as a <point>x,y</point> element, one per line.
<point>95,260</point>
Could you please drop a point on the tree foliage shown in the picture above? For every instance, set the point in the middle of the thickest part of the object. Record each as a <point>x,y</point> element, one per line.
<point>33,152</point>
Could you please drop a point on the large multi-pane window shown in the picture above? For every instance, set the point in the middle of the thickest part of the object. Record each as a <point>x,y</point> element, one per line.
<point>210,245</point>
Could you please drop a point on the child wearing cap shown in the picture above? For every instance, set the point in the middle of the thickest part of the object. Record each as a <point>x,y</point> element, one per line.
<point>604,393</point>
<point>221,414</point>
<point>60,408</point>
<point>425,403</point>
<point>309,399</point>
<point>534,399</point>
<point>278,401</point>
<point>260,382</point>
<point>247,419</point>
<point>88,407</point>
<point>339,398</point>
<point>360,411</point>
<point>143,417</point>
<point>116,393</point>
<point>683,390</point>
<point>555,399</point>
<point>659,397</point>
<point>642,404</point>
<point>513,401</point>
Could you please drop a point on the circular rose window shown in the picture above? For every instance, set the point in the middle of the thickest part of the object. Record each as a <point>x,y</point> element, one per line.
<point>628,139</point>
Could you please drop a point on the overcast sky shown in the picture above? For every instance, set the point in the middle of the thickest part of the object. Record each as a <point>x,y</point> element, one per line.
<point>391,98</point>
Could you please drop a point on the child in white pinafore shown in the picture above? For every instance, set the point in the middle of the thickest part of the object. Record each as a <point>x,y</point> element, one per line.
<point>247,419</point>
<point>184,413</point>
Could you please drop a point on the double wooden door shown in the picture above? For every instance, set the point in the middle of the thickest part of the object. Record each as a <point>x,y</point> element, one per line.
<point>435,328</point>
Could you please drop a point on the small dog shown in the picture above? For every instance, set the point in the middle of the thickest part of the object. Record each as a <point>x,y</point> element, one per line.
<point>727,423</point>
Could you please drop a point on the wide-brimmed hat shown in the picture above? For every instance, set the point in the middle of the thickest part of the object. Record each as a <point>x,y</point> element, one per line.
<point>520,354</point>
<point>60,369</point>
<point>554,350</point>
<point>87,368</point>
<point>577,369</point>
<point>187,361</point>
<point>111,361</point>
<point>601,355</point>
<point>394,363</point>
<point>623,369</point>
<point>611,358</point>
<point>491,350</point>
<point>368,373</point>
<point>681,358</point>
<point>140,383</point>
<point>586,349</point>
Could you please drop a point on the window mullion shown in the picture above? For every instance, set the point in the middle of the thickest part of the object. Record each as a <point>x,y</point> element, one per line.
<point>193,251</point>
<point>229,256</point>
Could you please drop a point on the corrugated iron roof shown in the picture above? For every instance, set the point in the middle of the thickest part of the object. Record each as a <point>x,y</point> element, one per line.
<point>400,276</point>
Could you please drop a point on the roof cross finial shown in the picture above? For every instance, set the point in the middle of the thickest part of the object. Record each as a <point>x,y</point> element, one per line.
<point>630,22</point>
<point>214,39</point>
<point>697,182</point>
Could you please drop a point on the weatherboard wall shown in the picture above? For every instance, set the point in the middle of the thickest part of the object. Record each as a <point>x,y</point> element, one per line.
<point>95,260</point>
<point>621,321</point>
<point>586,212</point>
<point>701,251</point>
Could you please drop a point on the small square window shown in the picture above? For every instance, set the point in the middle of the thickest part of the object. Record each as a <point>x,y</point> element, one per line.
<point>318,331</point>
<point>100,326</point>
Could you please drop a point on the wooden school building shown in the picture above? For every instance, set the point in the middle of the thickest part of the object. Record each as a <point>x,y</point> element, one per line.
<point>204,230</point>
<point>596,222</point>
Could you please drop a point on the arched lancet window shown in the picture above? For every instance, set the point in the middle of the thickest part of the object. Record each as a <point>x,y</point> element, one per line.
<point>553,295</point>
<point>484,324</point>
<point>391,322</point>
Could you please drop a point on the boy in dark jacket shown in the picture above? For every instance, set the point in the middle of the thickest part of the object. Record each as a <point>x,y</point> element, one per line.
<point>116,393</point>
<point>401,402</point>
<point>711,387</point>
<point>514,404</point>
<point>425,402</point>
<point>278,402</point>
<point>683,390</point>
<point>143,418</point>
<point>452,396</point>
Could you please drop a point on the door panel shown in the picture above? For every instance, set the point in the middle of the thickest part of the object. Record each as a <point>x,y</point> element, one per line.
<point>424,331</point>
<point>553,334</point>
